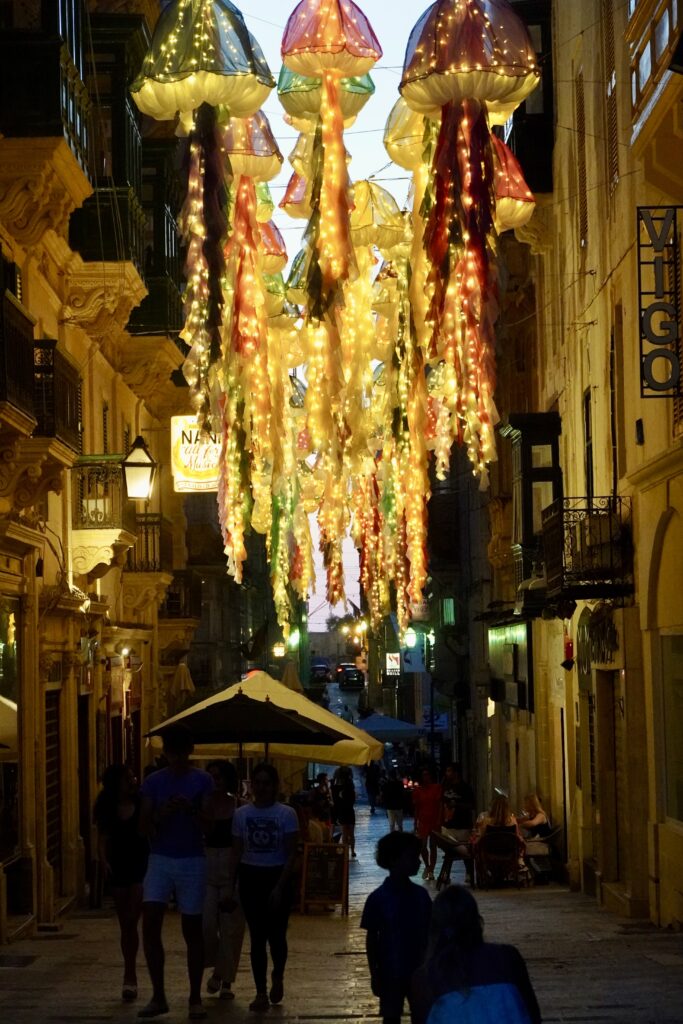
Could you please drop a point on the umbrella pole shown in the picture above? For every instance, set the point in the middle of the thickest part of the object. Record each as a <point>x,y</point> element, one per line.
<point>265,755</point>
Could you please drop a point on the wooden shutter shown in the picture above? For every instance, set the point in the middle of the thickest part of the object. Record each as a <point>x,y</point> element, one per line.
<point>53,785</point>
<point>611,115</point>
<point>580,105</point>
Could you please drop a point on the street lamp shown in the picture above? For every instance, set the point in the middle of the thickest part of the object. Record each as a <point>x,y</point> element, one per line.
<point>279,650</point>
<point>139,471</point>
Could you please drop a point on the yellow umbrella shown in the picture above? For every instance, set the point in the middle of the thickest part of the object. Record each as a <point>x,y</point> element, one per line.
<point>359,748</point>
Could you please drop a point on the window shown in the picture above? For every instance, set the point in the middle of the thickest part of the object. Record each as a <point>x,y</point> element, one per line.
<point>611,113</point>
<point>588,442</point>
<point>580,116</point>
<point>447,611</point>
<point>672,686</point>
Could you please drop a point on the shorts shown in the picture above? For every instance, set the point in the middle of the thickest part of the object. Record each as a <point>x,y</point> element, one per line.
<point>182,877</point>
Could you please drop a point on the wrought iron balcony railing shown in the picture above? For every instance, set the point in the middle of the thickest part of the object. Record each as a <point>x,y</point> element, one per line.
<point>16,355</point>
<point>588,548</point>
<point>56,385</point>
<point>99,496</point>
<point>184,597</point>
<point>110,226</point>
<point>153,550</point>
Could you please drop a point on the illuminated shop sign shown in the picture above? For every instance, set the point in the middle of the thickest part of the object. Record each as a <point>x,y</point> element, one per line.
<point>195,456</point>
<point>659,271</point>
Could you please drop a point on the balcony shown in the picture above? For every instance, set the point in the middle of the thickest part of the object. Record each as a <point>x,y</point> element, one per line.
<point>48,96</point>
<point>16,363</point>
<point>153,550</point>
<point>56,385</point>
<point>161,312</point>
<point>110,227</point>
<point>104,525</point>
<point>588,549</point>
<point>184,597</point>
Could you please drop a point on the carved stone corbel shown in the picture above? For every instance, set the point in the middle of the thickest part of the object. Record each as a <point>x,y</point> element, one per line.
<point>99,297</point>
<point>41,184</point>
<point>144,591</point>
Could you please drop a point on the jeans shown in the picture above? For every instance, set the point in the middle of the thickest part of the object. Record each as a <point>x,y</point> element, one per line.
<point>267,925</point>
<point>223,931</point>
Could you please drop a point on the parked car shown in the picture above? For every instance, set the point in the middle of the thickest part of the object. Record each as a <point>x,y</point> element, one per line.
<point>320,670</point>
<point>349,677</point>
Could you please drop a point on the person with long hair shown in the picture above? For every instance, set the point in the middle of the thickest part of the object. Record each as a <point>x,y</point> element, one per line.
<point>123,854</point>
<point>534,819</point>
<point>343,804</point>
<point>223,931</point>
<point>427,803</point>
<point>264,847</point>
<point>499,817</point>
<point>465,980</point>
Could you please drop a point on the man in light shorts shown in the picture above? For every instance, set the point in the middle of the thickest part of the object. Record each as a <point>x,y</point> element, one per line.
<point>175,812</point>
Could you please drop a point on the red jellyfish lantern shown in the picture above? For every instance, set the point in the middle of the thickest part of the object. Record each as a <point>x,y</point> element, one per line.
<point>331,40</point>
<point>515,202</point>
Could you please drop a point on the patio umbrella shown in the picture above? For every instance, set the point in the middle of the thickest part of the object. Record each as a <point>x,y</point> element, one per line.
<point>236,718</point>
<point>392,730</point>
<point>357,747</point>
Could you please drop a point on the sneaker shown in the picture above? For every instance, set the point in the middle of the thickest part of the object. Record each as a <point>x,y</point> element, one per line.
<point>214,983</point>
<point>277,991</point>
<point>260,1004</point>
<point>226,991</point>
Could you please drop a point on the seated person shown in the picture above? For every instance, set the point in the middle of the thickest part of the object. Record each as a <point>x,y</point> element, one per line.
<point>318,826</point>
<point>533,819</point>
<point>499,818</point>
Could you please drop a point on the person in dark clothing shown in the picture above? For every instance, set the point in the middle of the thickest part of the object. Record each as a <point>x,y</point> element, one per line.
<point>396,918</point>
<point>394,800</point>
<point>373,777</point>
<point>123,855</point>
<point>465,980</point>
<point>458,798</point>
<point>343,806</point>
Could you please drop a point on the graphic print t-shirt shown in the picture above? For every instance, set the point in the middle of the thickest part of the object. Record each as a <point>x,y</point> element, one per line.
<point>262,831</point>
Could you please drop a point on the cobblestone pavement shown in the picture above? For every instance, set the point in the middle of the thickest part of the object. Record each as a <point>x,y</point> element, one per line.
<point>586,965</point>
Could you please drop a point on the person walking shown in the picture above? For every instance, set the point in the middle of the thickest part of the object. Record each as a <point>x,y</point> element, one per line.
<point>427,803</point>
<point>223,931</point>
<point>373,778</point>
<point>396,918</point>
<point>465,980</point>
<point>123,855</point>
<point>264,847</point>
<point>175,811</point>
<point>343,802</point>
<point>394,800</point>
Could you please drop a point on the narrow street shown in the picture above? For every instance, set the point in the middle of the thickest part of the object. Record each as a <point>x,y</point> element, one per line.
<point>587,966</point>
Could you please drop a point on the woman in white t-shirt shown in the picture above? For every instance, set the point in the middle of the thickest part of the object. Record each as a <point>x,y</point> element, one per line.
<point>265,836</point>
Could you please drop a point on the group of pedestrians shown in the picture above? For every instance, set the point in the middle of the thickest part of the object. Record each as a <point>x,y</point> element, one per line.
<point>187,837</point>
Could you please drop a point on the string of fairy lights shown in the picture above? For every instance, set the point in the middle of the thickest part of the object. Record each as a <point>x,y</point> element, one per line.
<point>335,391</point>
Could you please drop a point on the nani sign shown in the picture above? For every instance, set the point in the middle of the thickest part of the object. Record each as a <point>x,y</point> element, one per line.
<point>659,285</point>
<point>194,456</point>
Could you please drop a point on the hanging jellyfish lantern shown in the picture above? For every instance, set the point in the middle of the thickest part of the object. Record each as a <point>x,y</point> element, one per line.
<point>515,203</point>
<point>301,97</point>
<point>404,135</point>
<point>331,40</point>
<point>296,201</point>
<point>250,145</point>
<point>273,249</point>
<point>460,57</point>
<point>201,52</point>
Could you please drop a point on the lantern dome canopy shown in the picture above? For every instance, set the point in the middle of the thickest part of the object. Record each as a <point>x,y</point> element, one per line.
<point>297,198</point>
<point>515,202</point>
<point>301,97</point>
<point>329,35</point>
<point>250,145</point>
<point>404,136</point>
<point>202,52</point>
<point>468,49</point>
<point>376,218</point>
<point>273,249</point>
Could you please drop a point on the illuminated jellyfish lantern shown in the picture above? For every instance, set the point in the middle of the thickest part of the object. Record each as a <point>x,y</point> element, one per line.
<point>301,97</point>
<point>250,146</point>
<point>296,201</point>
<point>273,250</point>
<point>515,203</point>
<point>297,282</point>
<point>375,218</point>
<point>479,49</point>
<point>202,52</point>
<point>265,206</point>
<point>331,40</point>
<point>404,136</point>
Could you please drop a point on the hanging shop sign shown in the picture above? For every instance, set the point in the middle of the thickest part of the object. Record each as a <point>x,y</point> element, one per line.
<point>195,456</point>
<point>659,300</point>
<point>393,663</point>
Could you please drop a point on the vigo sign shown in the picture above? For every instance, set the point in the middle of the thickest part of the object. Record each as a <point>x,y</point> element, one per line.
<point>194,456</point>
<point>659,272</point>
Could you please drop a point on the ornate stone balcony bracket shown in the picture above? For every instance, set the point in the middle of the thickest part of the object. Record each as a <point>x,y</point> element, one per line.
<point>41,184</point>
<point>144,591</point>
<point>99,297</point>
